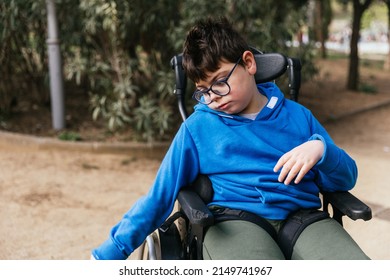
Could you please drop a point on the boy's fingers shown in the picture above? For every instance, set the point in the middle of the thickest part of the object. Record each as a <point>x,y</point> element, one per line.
<point>277,166</point>
<point>299,177</point>
<point>281,162</point>
<point>305,168</point>
<point>285,173</point>
<point>293,172</point>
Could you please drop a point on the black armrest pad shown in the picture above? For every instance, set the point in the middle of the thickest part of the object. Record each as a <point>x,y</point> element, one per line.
<point>194,208</point>
<point>348,204</point>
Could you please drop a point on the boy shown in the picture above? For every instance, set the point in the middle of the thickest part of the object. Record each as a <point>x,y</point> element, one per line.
<point>263,154</point>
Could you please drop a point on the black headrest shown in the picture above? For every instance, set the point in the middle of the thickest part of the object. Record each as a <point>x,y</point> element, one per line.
<point>269,66</point>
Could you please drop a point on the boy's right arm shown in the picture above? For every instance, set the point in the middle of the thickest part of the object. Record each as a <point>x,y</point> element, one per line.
<point>179,168</point>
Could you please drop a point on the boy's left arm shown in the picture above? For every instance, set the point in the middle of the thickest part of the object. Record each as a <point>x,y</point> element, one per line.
<point>337,170</point>
<point>296,163</point>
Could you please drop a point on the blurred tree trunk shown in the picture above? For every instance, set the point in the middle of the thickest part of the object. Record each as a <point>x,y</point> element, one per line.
<point>322,19</point>
<point>319,15</point>
<point>353,75</point>
<point>386,65</point>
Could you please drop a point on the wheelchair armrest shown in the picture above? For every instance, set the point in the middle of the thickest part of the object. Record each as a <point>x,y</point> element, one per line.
<point>347,204</point>
<point>194,208</point>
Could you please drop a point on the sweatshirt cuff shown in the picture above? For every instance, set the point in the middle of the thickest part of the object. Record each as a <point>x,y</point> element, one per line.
<point>330,158</point>
<point>108,251</point>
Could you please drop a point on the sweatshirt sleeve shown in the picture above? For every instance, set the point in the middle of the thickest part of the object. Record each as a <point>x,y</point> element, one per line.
<point>337,171</point>
<point>179,167</point>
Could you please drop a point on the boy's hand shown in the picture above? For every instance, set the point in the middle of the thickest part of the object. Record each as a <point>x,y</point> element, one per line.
<point>297,162</point>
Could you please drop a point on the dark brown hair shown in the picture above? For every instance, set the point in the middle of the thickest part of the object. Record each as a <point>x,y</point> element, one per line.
<point>208,43</point>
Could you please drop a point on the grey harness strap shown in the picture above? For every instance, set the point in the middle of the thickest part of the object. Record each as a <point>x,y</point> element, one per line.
<point>294,226</point>
<point>226,214</point>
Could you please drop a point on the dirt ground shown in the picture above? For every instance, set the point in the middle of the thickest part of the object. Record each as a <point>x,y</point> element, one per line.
<point>59,204</point>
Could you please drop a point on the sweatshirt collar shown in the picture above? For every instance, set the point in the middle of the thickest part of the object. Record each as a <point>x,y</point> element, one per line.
<point>275,99</point>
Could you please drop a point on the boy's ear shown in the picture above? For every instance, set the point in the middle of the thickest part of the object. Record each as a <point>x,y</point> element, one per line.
<point>250,62</point>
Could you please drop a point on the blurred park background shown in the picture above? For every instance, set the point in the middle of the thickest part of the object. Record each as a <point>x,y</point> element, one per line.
<point>115,54</point>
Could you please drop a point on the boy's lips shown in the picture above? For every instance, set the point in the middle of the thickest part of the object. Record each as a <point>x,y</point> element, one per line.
<point>224,106</point>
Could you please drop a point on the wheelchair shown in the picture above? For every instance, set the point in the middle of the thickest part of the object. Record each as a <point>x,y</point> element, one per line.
<point>181,235</point>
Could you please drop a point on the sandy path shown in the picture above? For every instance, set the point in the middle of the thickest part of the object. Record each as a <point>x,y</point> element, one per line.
<point>58,205</point>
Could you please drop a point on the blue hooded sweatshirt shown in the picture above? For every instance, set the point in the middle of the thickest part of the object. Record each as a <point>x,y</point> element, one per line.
<point>238,155</point>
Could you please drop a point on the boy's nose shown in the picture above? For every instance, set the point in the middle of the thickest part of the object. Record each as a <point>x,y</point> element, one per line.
<point>214,96</point>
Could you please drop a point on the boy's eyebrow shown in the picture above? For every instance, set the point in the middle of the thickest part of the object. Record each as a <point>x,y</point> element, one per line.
<point>216,77</point>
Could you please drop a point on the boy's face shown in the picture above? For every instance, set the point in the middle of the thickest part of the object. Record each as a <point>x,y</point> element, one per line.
<point>243,96</point>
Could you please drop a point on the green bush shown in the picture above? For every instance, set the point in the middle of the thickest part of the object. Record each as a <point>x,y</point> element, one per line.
<point>69,136</point>
<point>118,52</point>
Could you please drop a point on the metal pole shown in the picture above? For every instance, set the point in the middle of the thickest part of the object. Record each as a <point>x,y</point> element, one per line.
<point>55,68</point>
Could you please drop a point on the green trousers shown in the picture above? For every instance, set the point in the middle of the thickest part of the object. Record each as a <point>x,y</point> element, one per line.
<point>236,239</point>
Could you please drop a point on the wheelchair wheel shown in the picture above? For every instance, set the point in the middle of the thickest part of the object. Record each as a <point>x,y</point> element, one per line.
<point>162,246</point>
<point>150,248</point>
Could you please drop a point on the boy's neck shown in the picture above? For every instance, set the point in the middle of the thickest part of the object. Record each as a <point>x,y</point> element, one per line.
<point>257,104</point>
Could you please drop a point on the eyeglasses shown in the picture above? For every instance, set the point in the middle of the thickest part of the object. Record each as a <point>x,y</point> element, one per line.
<point>220,87</point>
